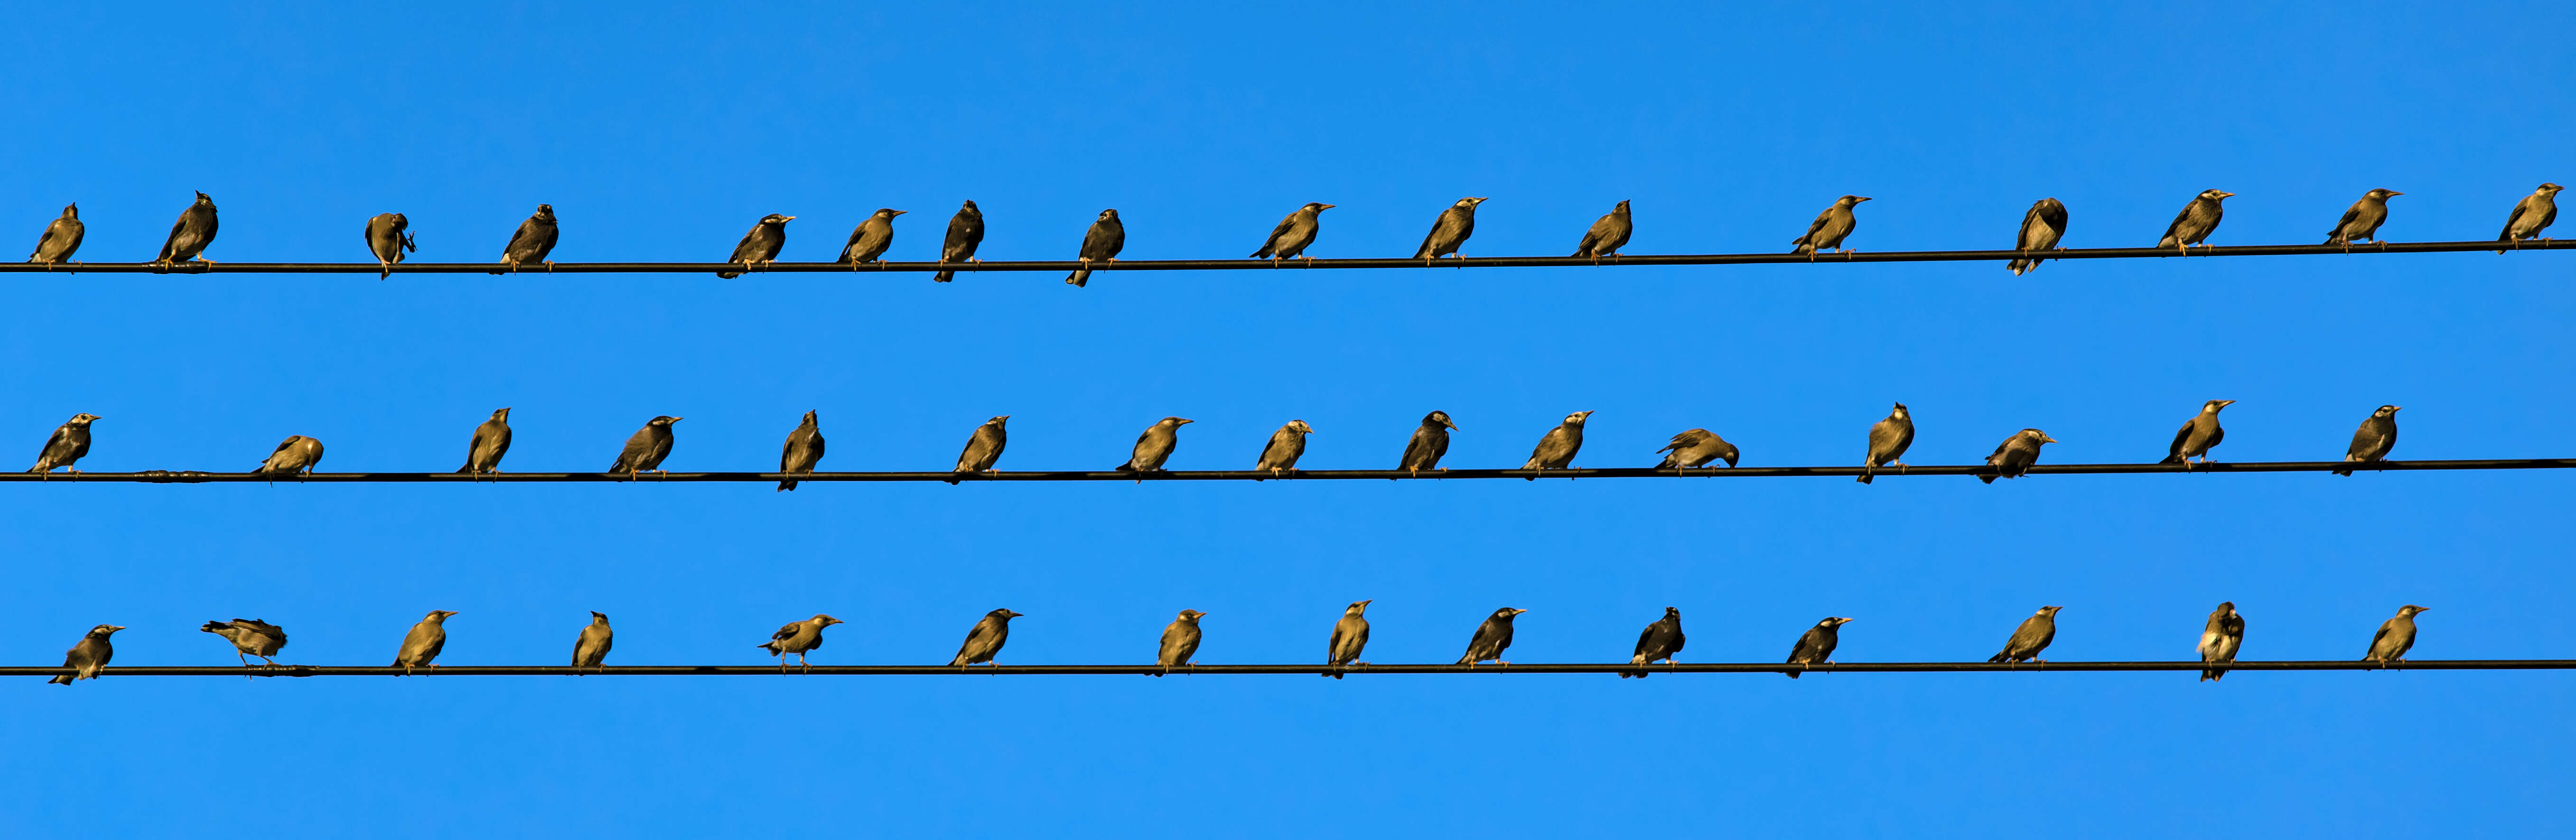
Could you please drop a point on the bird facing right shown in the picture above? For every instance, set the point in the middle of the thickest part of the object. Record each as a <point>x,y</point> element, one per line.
<point>2198,435</point>
<point>1556,449</point>
<point>2219,639</point>
<point>2029,639</point>
<point>798,637</point>
<point>984,447</point>
<point>1888,440</point>
<point>1658,643</point>
<point>2361,222</point>
<point>88,655</point>
<point>1294,233</point>
<point>1285,447</point>
<point>965,234</point>
<point>591,647</point>
<point>190,235</point>
<point>66,446</point>
<point>2396,636</point>
<point>250,637</point>
<point>421,646</point>
<point>1492,638</point>
<point>295,455</point>
<point>2530,216</point>
<point>1830,228</point>
<point>2013,457</point>
<point>985,639</point>
<point>1180,642</point>
<point>2041,228</point>
<point>1101,243</point>
<point>1430,441</point>
<point>2196,221</point>
<point>491,440</point>
<point>869,241</point>
<point>388,236</point>
<point>1695,448</point>
<point>1816,646</point>
<point>2371,442</point>
<point>532,242</point>
<point>804,449</point>
<point>1607,235</point>
<point>1350,637</point>
<point>646,448</point>
<point>759,246</point>
<point>61,239</point>
<point>1154,446</point>
<point>1450,231</point>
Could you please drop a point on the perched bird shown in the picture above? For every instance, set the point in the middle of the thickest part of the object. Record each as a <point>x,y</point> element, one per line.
<point>1285,447</point>
<point>1607,236</point>
<point>1450,230</point>
<point>1180,642</point>
<point>590,649</point>
<point>2396,636</point>
<point>1294,233</point>
<point>420,647</point>
<point>1154,446</point>
<point>646,448</point>
<point>1491,639</point>
<point>2197,219</point>
<point>1817,644</point>
<point>1888,440</point>
<point>388,236</point>
<point>1429,442</point>
<point>250,637</point>
<point>803,450</point>
<point>1830,227</point>
<point>871,238</point>
<point>534,239</point>
<point>2220,638</point>
<point>62,238</point>
<point>1350,636</point>
<point>2198,435</point>
<point>66,446</point>
<point>760,245</point>
<point>2014,456</point>
<point>1101,243</point>
<point>2041,228</point>
<point>2531,215</point>
<point>1555,450</point>
<point>88,655</point>
<point>798,637</point>
<point>491,441</point>
<point>190,235</point>
<point>2030,638</point>
<point>965,234</point>
<point>1695,448</point>
<point>2371,442</point>
<point>983,448</point>
<point>296,454</point>
<point>1661,640</point>
<point>2361,222</point>
<point>985,640</point>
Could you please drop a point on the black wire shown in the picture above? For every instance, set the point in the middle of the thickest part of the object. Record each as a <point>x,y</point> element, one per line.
<point>1308,669</point>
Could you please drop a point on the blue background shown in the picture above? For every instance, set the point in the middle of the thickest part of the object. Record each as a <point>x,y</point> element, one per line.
<point>660,134</point>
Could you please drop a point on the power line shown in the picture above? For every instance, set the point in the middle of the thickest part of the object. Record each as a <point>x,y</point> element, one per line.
<point>1303,669</point>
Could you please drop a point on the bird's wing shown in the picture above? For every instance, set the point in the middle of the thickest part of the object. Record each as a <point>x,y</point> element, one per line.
<point>2217,434</point>
<point>2348,216</point>
<point>2023,239</point>
<point>1272,243</point>
<point>2181,437</point>
<point>787,632</point>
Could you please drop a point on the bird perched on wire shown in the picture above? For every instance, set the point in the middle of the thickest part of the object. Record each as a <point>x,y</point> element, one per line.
<point>421,646</point>
<point>803,450</point>
<point>1829,229</point>
<point>1285,447</point>
<point>1430,441</point>
<point>965,234</point>
<point>2041,228</point>
<point>491,441</point>
<point>295,455</point>
<point>1695,448</point>
<point>983,448</point>
<point>760,245</point>
<point>1888,440</point>
<point>1350,636</point>
<point>1101,243</point>
<point>190,235</point>
<point>88,655</point>
<point>1154,446</point>
<point>1180,642</point>
<point>2530,216</point>
<point>2197,220</point>
<point>2371,442</point>
<point>2396,636</point>
<point>250,637</point>
<point>388,236</point>
<point>534,239</point>
<point>798,637</point>
<point>1491,639</point>
<point>646,448</point>
<point>985,639</point>
<point>1556,449</point>
<point>2199,434</point>
<point>66,446</point>
<point>2219,639</point>
<point>869,241</point>
<point>590,649</point>
<point>61,239</point>
<point>2361,222</point>
<point>1816,646</point>
<point>1607,235</point>
<point>1659,642</point>
<point>2029,639</point>
<point>1294,233</point>
<point>1450,230</point>
<point>2014,456</point>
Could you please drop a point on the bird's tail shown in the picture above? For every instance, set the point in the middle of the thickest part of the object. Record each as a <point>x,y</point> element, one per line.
<point>2346,473</point>
<point>785,486</point>
<point>1793,675</point>
<point>1081,277</point>
<point>943,277</point>
<point>2000,657</point>
<point>728,274</point>
<point>1986,478</point>
<point>65,679</point>
<point>2211,676</point>
<point>2019,266</point>
<point>1865,478</point>
<point>2175,458</point>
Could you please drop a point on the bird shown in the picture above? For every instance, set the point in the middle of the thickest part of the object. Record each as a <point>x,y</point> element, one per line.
<point>803,450</point>
<point>1830,228</point>
<point>1555,450</point>
<point>491,441</point>
<point>295,455</point>
<point>2361,222</point>
<point>965,234</point>
<point>1491,639</point>
<point>646,448</point>
<point>1694,448</point>
<point>2396,636</point>
<point>62,238</point>
<point>2371,442</point>
<point>871,238</point>
<point>1429,442</point>
<point>88,655</point>
<point>2041,228</point>
<point>66,446</point>
<point>388,236</point>
<point>2014,456</point>
<point>190,235</point>
<point>2199,434</point>
<point>1285,447</point>
<point>1817,644</point>
<point>983,447</point>
<point>1294,233</point>
<point>1660,641</point>
<point>1180,642</point>
<point>760,245</point>
<point>2193,225</point>
<point>1450,230</point>
<point>2030,638</point>
<point>985,640</point>
<point>1350,636</point>
<point>2220,638</point>
<point>250,637</point>
<point>1154,446</point>
<point>2530,216</point>
<point>591,647</point>
<point>534,239</point>
<point>420,647</point>
<point>1888,440</point>
<point>1101,243</point>
<point>1607,236</point>
<point>798,637</point>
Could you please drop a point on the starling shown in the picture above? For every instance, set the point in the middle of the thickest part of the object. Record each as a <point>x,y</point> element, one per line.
<point>2193,225</point>
<point>1294,233</point>
<point>1285,447</point>
<point>1101,243</point>
<point>1492,637</point>
<point>1661,640</point>
<point>803,450</point>
<point>871,238</point>
<point>1607,235</point>
<point>2041,228</point>
<point>1450,230</point>
<point>1830,227</point>
<point>1180,642</point>
<point>92,652</point>
<point>190,235</point>
<point>2014,456</point>
<point>983,448</point>
<point>1888,440</point>
<point>1429,443</point>
<point>1695,448</point>
<point>295,455</point>
<point>965,234</point>
<point>2371,442</point>
<point>2361,222</point>
<point>1555,450</point>
<point>491,441</point>
<point>646,449</point>
<point>1154,446</point>
<point>2030,638</point>
<point>759,246</point>
<point>69,442</point>
<point>985,640</point>
<point>1350,636</point>
<point>2220,638</point>
<point>2531,215</point>
<point>2396,636</point>
<point>388,236</point>
<point>61,239</point>
<point>534,239</point>
<point>590,649</point>
<point>250,637</point>
<point>420,647</point>
<point>2199,434</point>
<point>1817,644</point>
<point>798,637</point>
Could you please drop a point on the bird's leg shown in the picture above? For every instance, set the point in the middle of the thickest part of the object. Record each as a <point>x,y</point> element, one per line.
<point>1309,258</point>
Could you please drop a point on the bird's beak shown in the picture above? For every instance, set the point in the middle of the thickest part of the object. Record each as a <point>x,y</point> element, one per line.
<point>1326,207</point>
<point>678,419</point>
<point>2394,193</point>
<point>898,213</point>
<point>1368,602</point>
<point>791,218</point>
<point>1865,198</point>
<point>2398,408</point>
<point>2226,194</point>
<point>1518,611</point>
<point>1003,417</point>
<point>115,627</point>
<point>2047,439</point>
<point>2226,403</point>
<point>1187,420</point>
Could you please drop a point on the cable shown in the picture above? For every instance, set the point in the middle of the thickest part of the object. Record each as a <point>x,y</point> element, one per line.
<point>1308,669</point>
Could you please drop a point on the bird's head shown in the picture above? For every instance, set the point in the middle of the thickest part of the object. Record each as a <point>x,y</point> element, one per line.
<point>2550,189</point>
<point>1318,206</point>
<point>2383,194</point>
<point>1672,612</point>
<point>1300,427</point>
<point>776,219</point>
<point>1357,607</point>
<point>2215,195</point>
<point>597,617</point>
<point>502,415</point>
<point>1621,208</point>
<point>1192,616</point>
<point>203,198</point>
<point>2048,612</point>
<point>810,418</point>
<point>1900,411</point>
<point>664,421</point>
<point>2038,436</point>
<point>1834,622</point>
<point>969,205</point>
<point>2213,406</point>
<point>438,616</point>
<point>2227,608</point>
<point>820,620</point>
<point>105,630</point>
<point>1004,615</point>
<point>1507,614</point>
<point>1577,418</point>
<point>889,212</point>
<point>1850,201</point>
<point>998,420</point>
<point>546,212</point>
<point>1109,215</point>
<point>1177,422</point>
<point>2410,610</point>
<point>72,210</point>
<point>1438,418</point>
<point>2387,411</point>
<point>84,419</point>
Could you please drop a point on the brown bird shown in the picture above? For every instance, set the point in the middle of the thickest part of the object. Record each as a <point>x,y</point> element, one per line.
<point>250,637</point>
<point>2199,434</point>
<point>1180,642</point>
<point>798,637</point>
<point>62,238</point>
<point>2361,222</point>
<point>2031,638</point>
<point>803,450</point>
<point>388,236</point>
<point>2013,457</point>
<point>2371,442</point>
<point>1817,644</point>
<point>2531,215</point>
<point>1830,228</point>
<point>1659,642</point>
<point>89,655</point>
<point>2220,638</point>
<point>2197,220</point>
<point>1285,447</point>
<point>1888,440</point>
<point>1695,448</point>
<point>2041,228</point>
<point>1350,637</point>
<point>983,447</point>
<point>295,455</point>
<point>2396,636</point>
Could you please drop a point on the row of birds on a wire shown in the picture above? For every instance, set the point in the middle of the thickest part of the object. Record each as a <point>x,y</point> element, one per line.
<point>389,238</point>
<point>1889,438</point>
<point>2220,638</point>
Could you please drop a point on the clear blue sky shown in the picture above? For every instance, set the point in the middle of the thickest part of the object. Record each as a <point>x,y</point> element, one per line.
<point>662,135</point>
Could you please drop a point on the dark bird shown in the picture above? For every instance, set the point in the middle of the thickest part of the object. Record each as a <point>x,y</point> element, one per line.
<point>66,446</point>
<point>1101,243</point>
<point>190,235</point>
<point>2220,638</point>
<point>803,450</point>
<point>1180,642</point>
<point>1607,236</point>
<point>2199,434</point>
<point>1695,448</point>
<point>1826,233</point>
<point>1491,639</point>
<point>2531,215</point>
<point>759,246</point>
<point>1816,646</point>
<point>1555,450</point>
<point>1294,233</point>
<point>983,448</point>
<point>2041,228</point>
<point>1450,230</point>
<point>91,653</point>
<point>590,649</point>
<point>534,239</point>
<point>295,455</point>
<point>871,238</point>
<point>420,647</point>
<point>491,441</point>
<point>646,448</point>
<point>1429,443</point>
<point>798,637</point>
<point>1888,440</point>
<point>2396,636</point>
<point>2361,222</point>
<point>1661,640</point>
<point>1154,446</point>
<point>965,234</point>
<point>2030,638</point>
<point>388,236</point>
<point>2014,456</point>
<point>985,640</point>
<point>2371,442</point>
<point>250,637</point>
<point>62,238</point>
<point>1350,636</point>
<point>2193,225</point>
<point>1285,447</point>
